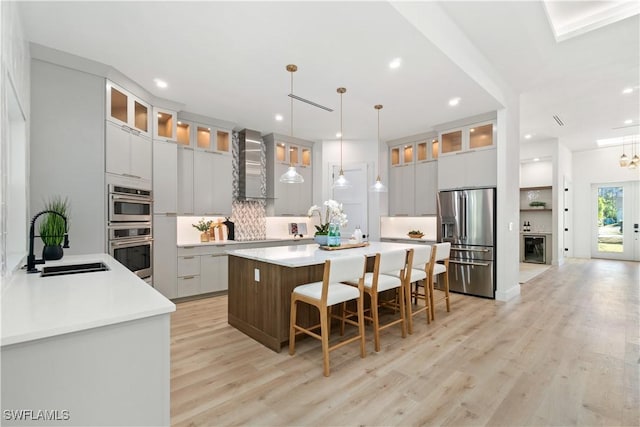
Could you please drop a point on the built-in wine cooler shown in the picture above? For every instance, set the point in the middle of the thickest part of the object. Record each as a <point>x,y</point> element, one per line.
<point>534,249</point>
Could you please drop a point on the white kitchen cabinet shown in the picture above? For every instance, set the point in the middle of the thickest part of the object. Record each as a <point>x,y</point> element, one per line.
<point>128,152</point>
<point>185,180</point>
<point>165,268</point>
<point>125,109</point>
<point>468,169</point>
<point>426,188</point>
<point>284,199</point>
<point>214,272</point>
<point>165,128</point>
<point>212,186</point>
<point>402,190</point>
<point>165,177</point>
<point>188,275</point>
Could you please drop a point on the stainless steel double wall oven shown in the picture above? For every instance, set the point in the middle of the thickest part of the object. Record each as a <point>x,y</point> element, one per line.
<point>130,233</point>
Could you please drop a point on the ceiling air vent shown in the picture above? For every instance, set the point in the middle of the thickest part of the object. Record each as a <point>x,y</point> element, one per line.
<point>558,121</point>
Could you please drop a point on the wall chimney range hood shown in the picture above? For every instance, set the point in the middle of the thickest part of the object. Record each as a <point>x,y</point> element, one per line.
<point>252,177</point>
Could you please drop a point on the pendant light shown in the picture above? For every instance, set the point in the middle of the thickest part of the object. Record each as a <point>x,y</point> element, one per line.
<point>291,176</point>
<point>341,182</point>
<point>378,186</point>
<point>633,163</point>
<point>624,160</point>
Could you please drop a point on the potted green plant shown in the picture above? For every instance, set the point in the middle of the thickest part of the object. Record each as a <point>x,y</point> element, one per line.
<point>415,234</point>
<point>537,205</point>
<point>203,226</point>
<point>54,227</point>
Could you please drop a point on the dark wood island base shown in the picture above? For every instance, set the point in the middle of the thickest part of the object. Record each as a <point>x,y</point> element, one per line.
<point>260,308</point>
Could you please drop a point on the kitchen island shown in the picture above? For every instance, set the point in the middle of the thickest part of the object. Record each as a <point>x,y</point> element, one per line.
<point>85,349</point>
<point>261,281</point>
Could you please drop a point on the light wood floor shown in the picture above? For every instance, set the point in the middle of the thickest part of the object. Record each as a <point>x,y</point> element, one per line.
<point>566,352</point>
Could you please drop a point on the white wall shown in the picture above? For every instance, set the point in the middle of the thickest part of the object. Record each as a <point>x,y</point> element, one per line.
<point>591,167</point>
<point>563,171</point>
<point>353,152</point>
<point>68,112</point>
<point>14,79</point>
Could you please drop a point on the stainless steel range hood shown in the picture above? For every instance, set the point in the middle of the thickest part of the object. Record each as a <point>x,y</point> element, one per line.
<point>252,172</point>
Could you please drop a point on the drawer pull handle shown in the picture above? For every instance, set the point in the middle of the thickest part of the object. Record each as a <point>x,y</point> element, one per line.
<point>189,257</point>
<point>188,277</point>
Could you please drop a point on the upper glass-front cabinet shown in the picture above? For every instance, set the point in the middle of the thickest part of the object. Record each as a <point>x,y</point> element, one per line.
<point>292,154</point>
<point>203,137</point>
<point>473,137</point>
<point>126,109</point>
<point>402,154</point>
<point>481,136</point>
<point>183,133</point>
<point>427,150</point>
<point>165,127</point>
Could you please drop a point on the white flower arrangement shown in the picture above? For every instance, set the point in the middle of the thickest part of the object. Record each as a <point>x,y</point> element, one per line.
<point>333,213</point>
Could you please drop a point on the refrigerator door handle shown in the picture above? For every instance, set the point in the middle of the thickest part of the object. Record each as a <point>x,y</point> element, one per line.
<point>479,264</point>
<point>463,216</point>
<point>470,250</point>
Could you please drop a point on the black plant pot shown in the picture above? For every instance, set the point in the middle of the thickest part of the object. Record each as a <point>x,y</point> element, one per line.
<point>52,253</point>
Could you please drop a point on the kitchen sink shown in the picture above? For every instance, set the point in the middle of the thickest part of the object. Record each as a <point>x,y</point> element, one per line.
<point>60,270</point>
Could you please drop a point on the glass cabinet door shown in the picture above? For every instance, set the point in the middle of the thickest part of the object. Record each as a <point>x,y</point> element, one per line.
<point>203,139</point>
<point>184,133</point>
<point>421,151</point>
<point>306,157</point>
<point>434,148</point>
<point>481,136</point>
<point>452,142</point>
<point>119,104</point>
<point>407,154</point>
<point>395,156</point>
<point>223,141</point>
<point>141,118</point>
<point>164,125</point>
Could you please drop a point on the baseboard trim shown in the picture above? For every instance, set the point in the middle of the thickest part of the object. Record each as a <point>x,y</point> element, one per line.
<point>506,295</point>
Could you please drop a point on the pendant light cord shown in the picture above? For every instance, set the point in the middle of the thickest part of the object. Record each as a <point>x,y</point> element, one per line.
<point>340,132</point>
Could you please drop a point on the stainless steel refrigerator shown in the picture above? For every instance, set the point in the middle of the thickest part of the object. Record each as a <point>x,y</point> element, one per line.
<point>466,219</point>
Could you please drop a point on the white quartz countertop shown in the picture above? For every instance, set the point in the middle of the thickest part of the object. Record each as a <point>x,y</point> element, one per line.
<point>240,242</point>
<point>35,307</point>
<point>303,255</point>
<point>529,233</point>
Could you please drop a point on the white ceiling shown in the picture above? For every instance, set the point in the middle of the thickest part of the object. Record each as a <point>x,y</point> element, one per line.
<point>227,60</point>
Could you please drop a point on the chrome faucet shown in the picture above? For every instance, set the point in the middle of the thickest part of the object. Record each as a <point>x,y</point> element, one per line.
<point>31,258</point>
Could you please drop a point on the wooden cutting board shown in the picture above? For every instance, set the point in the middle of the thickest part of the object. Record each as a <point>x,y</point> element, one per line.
<point>344,246</point>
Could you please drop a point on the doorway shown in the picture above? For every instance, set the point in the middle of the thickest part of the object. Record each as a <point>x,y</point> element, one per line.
<point>615,218</point>
<point>353,198</point>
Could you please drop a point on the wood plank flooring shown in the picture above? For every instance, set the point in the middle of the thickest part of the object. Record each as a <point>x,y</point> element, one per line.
<point>565,352</point>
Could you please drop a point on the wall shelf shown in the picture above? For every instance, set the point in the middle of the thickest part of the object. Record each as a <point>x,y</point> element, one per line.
<point>548,187</point>
<point>536,210</point>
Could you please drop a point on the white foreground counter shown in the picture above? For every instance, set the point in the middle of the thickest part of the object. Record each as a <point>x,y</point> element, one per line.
<point>85,349</point>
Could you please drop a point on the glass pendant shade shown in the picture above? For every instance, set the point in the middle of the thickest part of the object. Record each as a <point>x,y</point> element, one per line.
<point>341,182</point>
<point>378,186</point>
<point>624,160</point>
<point>291,176</point>
<point>635,160</point>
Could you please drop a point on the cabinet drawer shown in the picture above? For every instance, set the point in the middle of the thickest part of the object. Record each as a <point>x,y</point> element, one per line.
<point>189,266</point>
<point>188,285</point>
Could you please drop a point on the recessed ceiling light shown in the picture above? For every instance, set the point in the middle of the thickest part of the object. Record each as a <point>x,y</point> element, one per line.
<point>454,101</point>
<point>279,117</point>
<point>395,63</point>
<point>536,159</point>
<point>338,134</point>
<point>628,122</point>
<point>160,83</point>
<point>627,90</point>
<point>528,136</point>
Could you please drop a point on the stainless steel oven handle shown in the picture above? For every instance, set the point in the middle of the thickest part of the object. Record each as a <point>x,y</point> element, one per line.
<point>132,198</point>
<point>478,264</point>
<point>470,250</point>
<point>132,242</point>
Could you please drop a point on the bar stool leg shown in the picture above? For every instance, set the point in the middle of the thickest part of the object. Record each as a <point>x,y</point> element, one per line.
<point>292,329</point>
